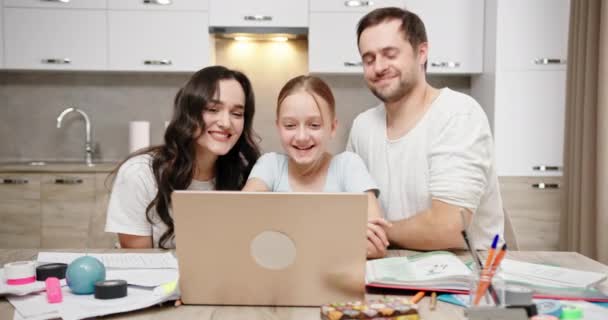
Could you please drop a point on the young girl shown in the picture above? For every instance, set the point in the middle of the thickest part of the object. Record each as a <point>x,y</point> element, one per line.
<point>209,145</point>
<point>306,122</point>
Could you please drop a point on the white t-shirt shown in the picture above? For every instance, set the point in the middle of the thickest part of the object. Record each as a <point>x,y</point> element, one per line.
<point>346,173</point>
<point>133,190</point>
<point>448,155</point>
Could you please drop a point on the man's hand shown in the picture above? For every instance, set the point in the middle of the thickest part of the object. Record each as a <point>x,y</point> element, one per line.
<point>377,240</point>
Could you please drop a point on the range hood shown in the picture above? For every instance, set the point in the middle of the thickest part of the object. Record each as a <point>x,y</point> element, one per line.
<point>259,33</point>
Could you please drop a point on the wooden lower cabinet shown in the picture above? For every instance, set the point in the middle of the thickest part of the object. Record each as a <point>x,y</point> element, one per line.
<point>534,205</point>
<point>53,211</point>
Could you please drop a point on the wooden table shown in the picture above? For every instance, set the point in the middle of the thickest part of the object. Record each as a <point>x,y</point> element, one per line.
<point>443,311</point>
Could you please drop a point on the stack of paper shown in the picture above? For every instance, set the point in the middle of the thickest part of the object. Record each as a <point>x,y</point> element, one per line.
<point>152,279</point>
<point>549,276</point>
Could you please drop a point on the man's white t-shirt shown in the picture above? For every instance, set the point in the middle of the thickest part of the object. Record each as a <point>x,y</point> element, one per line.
<point>448,156</point>
<point>133,190</point>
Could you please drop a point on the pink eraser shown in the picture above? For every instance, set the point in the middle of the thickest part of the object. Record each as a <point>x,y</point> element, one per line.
<point>53,290</point>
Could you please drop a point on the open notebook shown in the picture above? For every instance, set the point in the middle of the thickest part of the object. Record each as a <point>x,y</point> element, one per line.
<point>443,271</point>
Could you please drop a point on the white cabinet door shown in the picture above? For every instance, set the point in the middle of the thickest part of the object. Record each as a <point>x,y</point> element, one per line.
<point>352,5</point>
<point>74,4</point>
<point>1,35</point>
<point>533,34</point>
<point>455,33</point>
<point>332,43</point>
<point>258,13</point>
<point>158,40</point>
<point>529,122</point>
<point>64,39</point>
<point>201,5</point>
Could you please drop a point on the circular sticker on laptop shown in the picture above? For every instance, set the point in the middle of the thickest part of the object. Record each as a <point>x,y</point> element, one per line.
<point>273,250</point>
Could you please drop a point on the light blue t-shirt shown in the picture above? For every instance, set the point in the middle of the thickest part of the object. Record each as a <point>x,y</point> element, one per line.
<point>346,173</point>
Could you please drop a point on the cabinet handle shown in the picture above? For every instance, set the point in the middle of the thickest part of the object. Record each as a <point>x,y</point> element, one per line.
<point>546,168</point>
<point>446,64</point>
<point>57,60</point>
<point>353,64</point>
<point>542,185</point>
<point>14,181</point>
<point>357,3</point>
<point>161,62</point>
<point>60,1</point>
<point>68,181</point>
<point>257,18</point>
<point>545,61</point>
<point>159,2</point>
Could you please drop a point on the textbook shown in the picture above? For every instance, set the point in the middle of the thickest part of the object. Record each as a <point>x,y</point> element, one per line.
<point>443,271</point>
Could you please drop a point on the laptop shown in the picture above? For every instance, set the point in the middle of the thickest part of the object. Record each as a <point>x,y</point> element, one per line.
<point>270,248</point>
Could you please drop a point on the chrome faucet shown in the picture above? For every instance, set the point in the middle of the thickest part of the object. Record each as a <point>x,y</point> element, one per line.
<point>88,146</point>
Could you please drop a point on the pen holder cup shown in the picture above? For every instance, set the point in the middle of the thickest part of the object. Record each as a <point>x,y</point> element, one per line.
<point>487,288</point>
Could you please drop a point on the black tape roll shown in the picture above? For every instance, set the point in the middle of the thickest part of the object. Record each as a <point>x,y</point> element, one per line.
<point>49,270</point>
<point>110,289</point>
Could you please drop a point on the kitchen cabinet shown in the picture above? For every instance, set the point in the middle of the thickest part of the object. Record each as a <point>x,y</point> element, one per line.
<point>332,34</point>
<point>455,33</point>
<point>55,38</point>
<point>162,5</point>
<point>155,40</point>
<point>534,205</point>
<point>454,30</point>
<point>54,210</point>
<point>68,202</point>
<point>79,4</point>
<point>525,101</point>
<point>539,39</point>
<point>20,211</point>
<point>260,13</point>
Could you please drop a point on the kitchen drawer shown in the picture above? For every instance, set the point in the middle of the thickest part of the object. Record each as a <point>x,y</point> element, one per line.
<point>65,224</point>
<point>17,186</point>
<point>200,5</point>
<point>534,204</point>
<point>352,6</point>
<point>73,4</point>
<point>68,187</point>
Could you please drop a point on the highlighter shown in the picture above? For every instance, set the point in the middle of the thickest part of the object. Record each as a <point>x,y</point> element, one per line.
<point>53,290</point>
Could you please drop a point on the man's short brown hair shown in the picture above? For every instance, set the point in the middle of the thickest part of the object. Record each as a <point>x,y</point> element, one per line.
<point>411,25</point>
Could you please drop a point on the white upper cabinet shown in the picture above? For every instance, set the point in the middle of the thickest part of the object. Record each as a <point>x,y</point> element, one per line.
<point>534,34</point>
<point>60,4</point>
<point>352,5</point>
<point>258,13</point>
<point>332,45</point>
<point>158,41</point>
<point>1,38</point>
<point>454,29</point>
<point>200,5</point>
<point>455,34</point>
<point>332,34</point>
<point>63,39</point>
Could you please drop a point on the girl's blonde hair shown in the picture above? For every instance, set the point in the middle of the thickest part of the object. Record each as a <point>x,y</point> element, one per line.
<point>314,86</point>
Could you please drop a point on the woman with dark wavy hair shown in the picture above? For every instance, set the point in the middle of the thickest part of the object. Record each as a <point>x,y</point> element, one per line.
<point>208,145</point>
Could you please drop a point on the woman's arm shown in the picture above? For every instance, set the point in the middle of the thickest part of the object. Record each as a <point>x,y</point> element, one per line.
<point>129,241</point>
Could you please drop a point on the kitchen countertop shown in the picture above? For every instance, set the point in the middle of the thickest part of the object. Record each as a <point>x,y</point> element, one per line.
<point>55,166</point>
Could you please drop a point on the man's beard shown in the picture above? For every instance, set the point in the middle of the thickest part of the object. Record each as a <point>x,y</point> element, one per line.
<point>402,89</point>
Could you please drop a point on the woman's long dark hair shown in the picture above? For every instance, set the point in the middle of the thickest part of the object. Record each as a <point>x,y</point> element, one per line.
<point>174,162</point>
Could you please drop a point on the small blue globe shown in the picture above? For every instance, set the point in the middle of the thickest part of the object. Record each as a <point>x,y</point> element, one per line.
<point>82,274</point>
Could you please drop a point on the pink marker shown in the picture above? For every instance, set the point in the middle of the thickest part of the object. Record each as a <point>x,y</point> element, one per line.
<point>53,290</point>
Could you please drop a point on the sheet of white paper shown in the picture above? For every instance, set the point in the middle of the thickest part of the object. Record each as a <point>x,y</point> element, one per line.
<point>85,306</point>
<point>143,277</point>
<point>23,289</point>
<point>564,277</point>
<point>117,260</point>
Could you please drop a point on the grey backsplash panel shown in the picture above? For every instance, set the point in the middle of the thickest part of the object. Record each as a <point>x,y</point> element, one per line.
<point>31,101</point>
